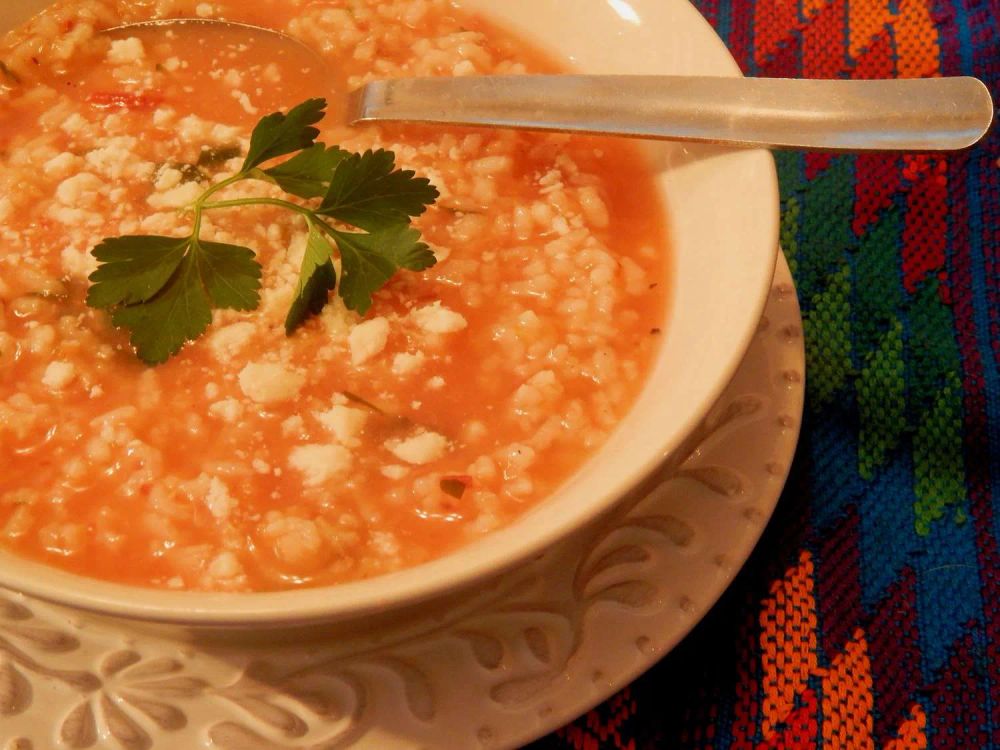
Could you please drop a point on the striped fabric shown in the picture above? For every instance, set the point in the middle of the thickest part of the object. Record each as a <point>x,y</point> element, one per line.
<point>869,617</point>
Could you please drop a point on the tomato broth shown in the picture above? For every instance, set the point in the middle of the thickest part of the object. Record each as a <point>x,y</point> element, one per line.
<point>358,445</point>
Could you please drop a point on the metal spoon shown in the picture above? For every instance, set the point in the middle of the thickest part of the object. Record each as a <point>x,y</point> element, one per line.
<point>931,114</point>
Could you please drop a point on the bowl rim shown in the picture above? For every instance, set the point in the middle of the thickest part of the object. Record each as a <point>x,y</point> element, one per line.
<point>404,588</point>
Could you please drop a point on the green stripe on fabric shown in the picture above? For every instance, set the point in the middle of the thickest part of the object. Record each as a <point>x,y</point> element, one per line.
<point>878,289</point>
<point>827,329</point>
<point>881,401</point>
<point>789,232</point>
<point>827,210</point>
<point>939,470</point>
<point>933,351</point>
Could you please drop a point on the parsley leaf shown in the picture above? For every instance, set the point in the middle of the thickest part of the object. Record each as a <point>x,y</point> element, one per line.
<point>161,326</point>
<point>230,274</point>
<point>368,192</point>
<point>368,261</point>
<point>279,134</point>
<point>164,304</point>
<point>163,289</point>
<point>307,174</point>
<point>316,280</point>
<point>133,268</point>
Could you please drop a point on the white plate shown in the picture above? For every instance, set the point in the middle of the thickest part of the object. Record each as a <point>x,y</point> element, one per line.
<point>506,666</point>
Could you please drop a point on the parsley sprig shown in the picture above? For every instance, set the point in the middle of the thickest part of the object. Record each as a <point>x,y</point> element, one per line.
<point>163,289</point>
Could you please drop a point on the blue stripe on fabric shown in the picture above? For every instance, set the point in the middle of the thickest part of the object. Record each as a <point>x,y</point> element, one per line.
<point>948,590</point>
<point>888,538</point>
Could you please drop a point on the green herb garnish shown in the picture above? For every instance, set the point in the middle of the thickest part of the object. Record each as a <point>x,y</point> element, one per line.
<point>163,289</point>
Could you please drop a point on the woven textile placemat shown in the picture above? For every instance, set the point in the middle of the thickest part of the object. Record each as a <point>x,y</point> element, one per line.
<point>869,615</point>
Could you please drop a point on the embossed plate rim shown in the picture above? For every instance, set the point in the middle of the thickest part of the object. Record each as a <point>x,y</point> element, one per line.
<point>527,671</point>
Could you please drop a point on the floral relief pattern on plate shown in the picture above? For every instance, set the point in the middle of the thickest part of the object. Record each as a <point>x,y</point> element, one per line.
<point>527,653</point>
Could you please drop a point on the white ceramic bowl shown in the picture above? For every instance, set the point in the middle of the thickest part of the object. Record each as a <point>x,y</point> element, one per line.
<point>722,208</point>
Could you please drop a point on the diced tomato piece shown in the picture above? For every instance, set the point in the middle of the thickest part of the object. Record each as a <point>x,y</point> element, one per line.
<point>124,100</point>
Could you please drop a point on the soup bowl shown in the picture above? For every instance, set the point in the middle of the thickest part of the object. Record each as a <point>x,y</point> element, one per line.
<point>722,215</point>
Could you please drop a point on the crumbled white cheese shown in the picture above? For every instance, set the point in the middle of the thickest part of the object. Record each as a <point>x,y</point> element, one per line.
<point>74,124</point>
<point>74,217</point>
<point>192,129</point>
<point>293,426</point>
<point>344,422</point>
<point>268,383</point>
<point>77,263</point>
<point>384,543</point>
<point>116,159</point>
<point>168,178</point>
<point>244,101</point>
<point>436,383</point>
<point>58,375</point>
<point>218,500</point>
<point>419,449</point>
<point>62,165</point>
<point>165,115</point>
<point>178,197</point>
<point>74,190</point>
<point>204,10</point>
<point>227,342</point>
<point>437,318</point>
<point>394,471</point>
<point>405,363</point>
<point>225,565</point>
<point>224,133</point>
<point>541,387</point>
<point>368,339</point>
<point>41,339</point>
<point>319,463</point>
<point>124,51</point>
<point>228,410</point>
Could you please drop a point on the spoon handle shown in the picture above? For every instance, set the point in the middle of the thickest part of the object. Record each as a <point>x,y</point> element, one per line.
<point>930,114</point>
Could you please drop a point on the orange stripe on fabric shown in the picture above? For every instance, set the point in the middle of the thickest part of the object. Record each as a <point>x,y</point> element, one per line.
<point>811,7</point>
<point>847,701</point>
<point>917,47</point>
<point>865,19</point>
<point>788,642</point>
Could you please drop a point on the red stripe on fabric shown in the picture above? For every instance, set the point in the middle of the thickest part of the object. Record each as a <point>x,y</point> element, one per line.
<point>894,639</point>
<point>925,233</point>
<point>746,711</point>
<point>774,22</point>
<point>958,698</point>
<point>877,179</point>
<point>876,61</point>
<point>838,583</point>
<point>824,47</point>
<point>741,34</point>
<point>877,176</point>
<point>815,163</point>
<point>784,62</point>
